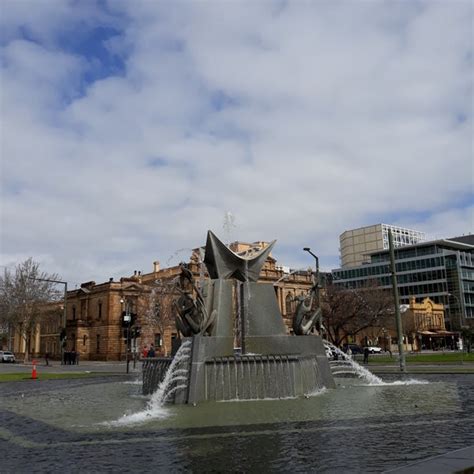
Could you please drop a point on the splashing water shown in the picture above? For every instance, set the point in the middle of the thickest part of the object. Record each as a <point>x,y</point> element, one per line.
<point>228,225</point>
<point>352,367</point>
<point>172,376</point>
<point>317,392</point>
<point>171,383</point>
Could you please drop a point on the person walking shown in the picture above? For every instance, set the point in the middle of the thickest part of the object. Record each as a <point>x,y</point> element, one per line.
<point>366,355</point>
<point>151,352</point>
<point>46,358</point>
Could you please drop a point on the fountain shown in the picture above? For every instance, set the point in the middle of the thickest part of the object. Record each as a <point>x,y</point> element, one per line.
<point>345,365</point>
<point>237,340</point>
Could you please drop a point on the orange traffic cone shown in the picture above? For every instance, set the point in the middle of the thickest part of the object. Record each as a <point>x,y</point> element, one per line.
<point>33,372</point>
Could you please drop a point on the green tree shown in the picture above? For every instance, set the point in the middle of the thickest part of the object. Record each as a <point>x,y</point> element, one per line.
<point>23,295</point>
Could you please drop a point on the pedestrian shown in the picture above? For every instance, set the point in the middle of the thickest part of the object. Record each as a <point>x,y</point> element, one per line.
<point>46,358</point>
<point>349,352</point>
<point>151,352</point>
<point>366,355</point>
<point>144,352</point>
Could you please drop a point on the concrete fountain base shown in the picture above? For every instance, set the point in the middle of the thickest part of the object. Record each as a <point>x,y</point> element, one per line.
<point>300,368</point>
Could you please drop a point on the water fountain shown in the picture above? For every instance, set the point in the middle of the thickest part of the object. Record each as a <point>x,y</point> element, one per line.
<point>345,365</point>
<point>237,339</point>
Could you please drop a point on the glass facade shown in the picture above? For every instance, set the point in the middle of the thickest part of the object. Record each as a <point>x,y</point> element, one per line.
<point>442,270</point>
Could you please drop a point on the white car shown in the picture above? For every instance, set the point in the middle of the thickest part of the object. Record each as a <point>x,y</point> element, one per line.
<point>375,349</point>
<point>7,356</point>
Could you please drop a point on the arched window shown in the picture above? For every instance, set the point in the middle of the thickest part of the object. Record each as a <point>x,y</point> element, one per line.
<point>289,304</point>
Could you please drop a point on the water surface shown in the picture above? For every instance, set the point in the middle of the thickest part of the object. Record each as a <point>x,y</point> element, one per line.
<point>72,425</point>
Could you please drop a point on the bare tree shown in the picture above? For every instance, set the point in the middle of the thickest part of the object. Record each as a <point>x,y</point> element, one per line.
<point>157,309</point>
<point>23,294</point>
<point>349,312</point>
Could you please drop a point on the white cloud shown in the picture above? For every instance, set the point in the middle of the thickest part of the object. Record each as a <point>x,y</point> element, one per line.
<point>302,118</point>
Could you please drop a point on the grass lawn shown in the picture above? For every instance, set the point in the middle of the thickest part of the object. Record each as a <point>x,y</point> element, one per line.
<point>66,375</point>
<point>438,358</point>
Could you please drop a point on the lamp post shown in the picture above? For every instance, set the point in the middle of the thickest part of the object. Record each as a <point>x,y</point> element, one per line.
<point>460,325</point>
<point>307,249</point>
<point>316,283</point>
<point>127,319</point>
<point>63,329</point>
<point>398,317</point>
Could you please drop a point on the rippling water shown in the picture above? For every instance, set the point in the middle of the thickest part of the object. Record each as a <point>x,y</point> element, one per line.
<point>70,425</point>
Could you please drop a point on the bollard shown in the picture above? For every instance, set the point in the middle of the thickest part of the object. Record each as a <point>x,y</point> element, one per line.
<point>33,372</point>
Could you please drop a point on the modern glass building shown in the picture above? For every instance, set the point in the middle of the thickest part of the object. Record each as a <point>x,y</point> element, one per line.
<point>442,270</point>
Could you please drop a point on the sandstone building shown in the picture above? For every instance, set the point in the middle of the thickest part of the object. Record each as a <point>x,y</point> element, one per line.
<point>423,328</point>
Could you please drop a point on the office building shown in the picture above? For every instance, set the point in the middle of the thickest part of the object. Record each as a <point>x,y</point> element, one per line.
<point>357,244</point>
<point>442,270</point>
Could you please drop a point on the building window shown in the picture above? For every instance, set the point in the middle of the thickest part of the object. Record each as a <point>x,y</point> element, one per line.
<point>158,340</point>
<point>73,313</point>
<point>289,304</point>
<point>98,344</point>
<point>99,309</point>
<point>84,340</point>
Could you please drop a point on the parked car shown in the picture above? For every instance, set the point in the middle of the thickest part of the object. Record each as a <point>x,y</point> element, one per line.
<point>375,350</point>
<point>7,356</point>
<point>355,349</point>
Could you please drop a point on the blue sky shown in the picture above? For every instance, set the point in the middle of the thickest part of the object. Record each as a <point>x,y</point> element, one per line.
<point>130,128</point>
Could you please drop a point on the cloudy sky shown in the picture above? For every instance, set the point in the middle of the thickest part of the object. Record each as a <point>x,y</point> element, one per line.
<point>129,128</point>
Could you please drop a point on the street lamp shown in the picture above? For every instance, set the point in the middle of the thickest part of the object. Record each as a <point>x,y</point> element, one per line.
<point>316,282</point>
<point>307,249</point>
<point>461,345</point>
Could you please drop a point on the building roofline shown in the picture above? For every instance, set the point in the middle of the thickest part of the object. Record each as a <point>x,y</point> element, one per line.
<point>446,242</point>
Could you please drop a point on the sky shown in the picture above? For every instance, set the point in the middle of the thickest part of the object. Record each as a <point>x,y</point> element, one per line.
<point>128,129</point>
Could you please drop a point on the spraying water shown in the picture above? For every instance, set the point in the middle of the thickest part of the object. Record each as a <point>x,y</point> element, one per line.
<point>173,377</point>
<point>176,379</point>
<point>350,366</point>
<point>228,225</point>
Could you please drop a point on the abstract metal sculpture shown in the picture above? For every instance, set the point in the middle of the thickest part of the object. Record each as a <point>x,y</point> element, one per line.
<point>222,263</point>
<point>192,316</point>
<point>241,348</point>
<point>306,316</point>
